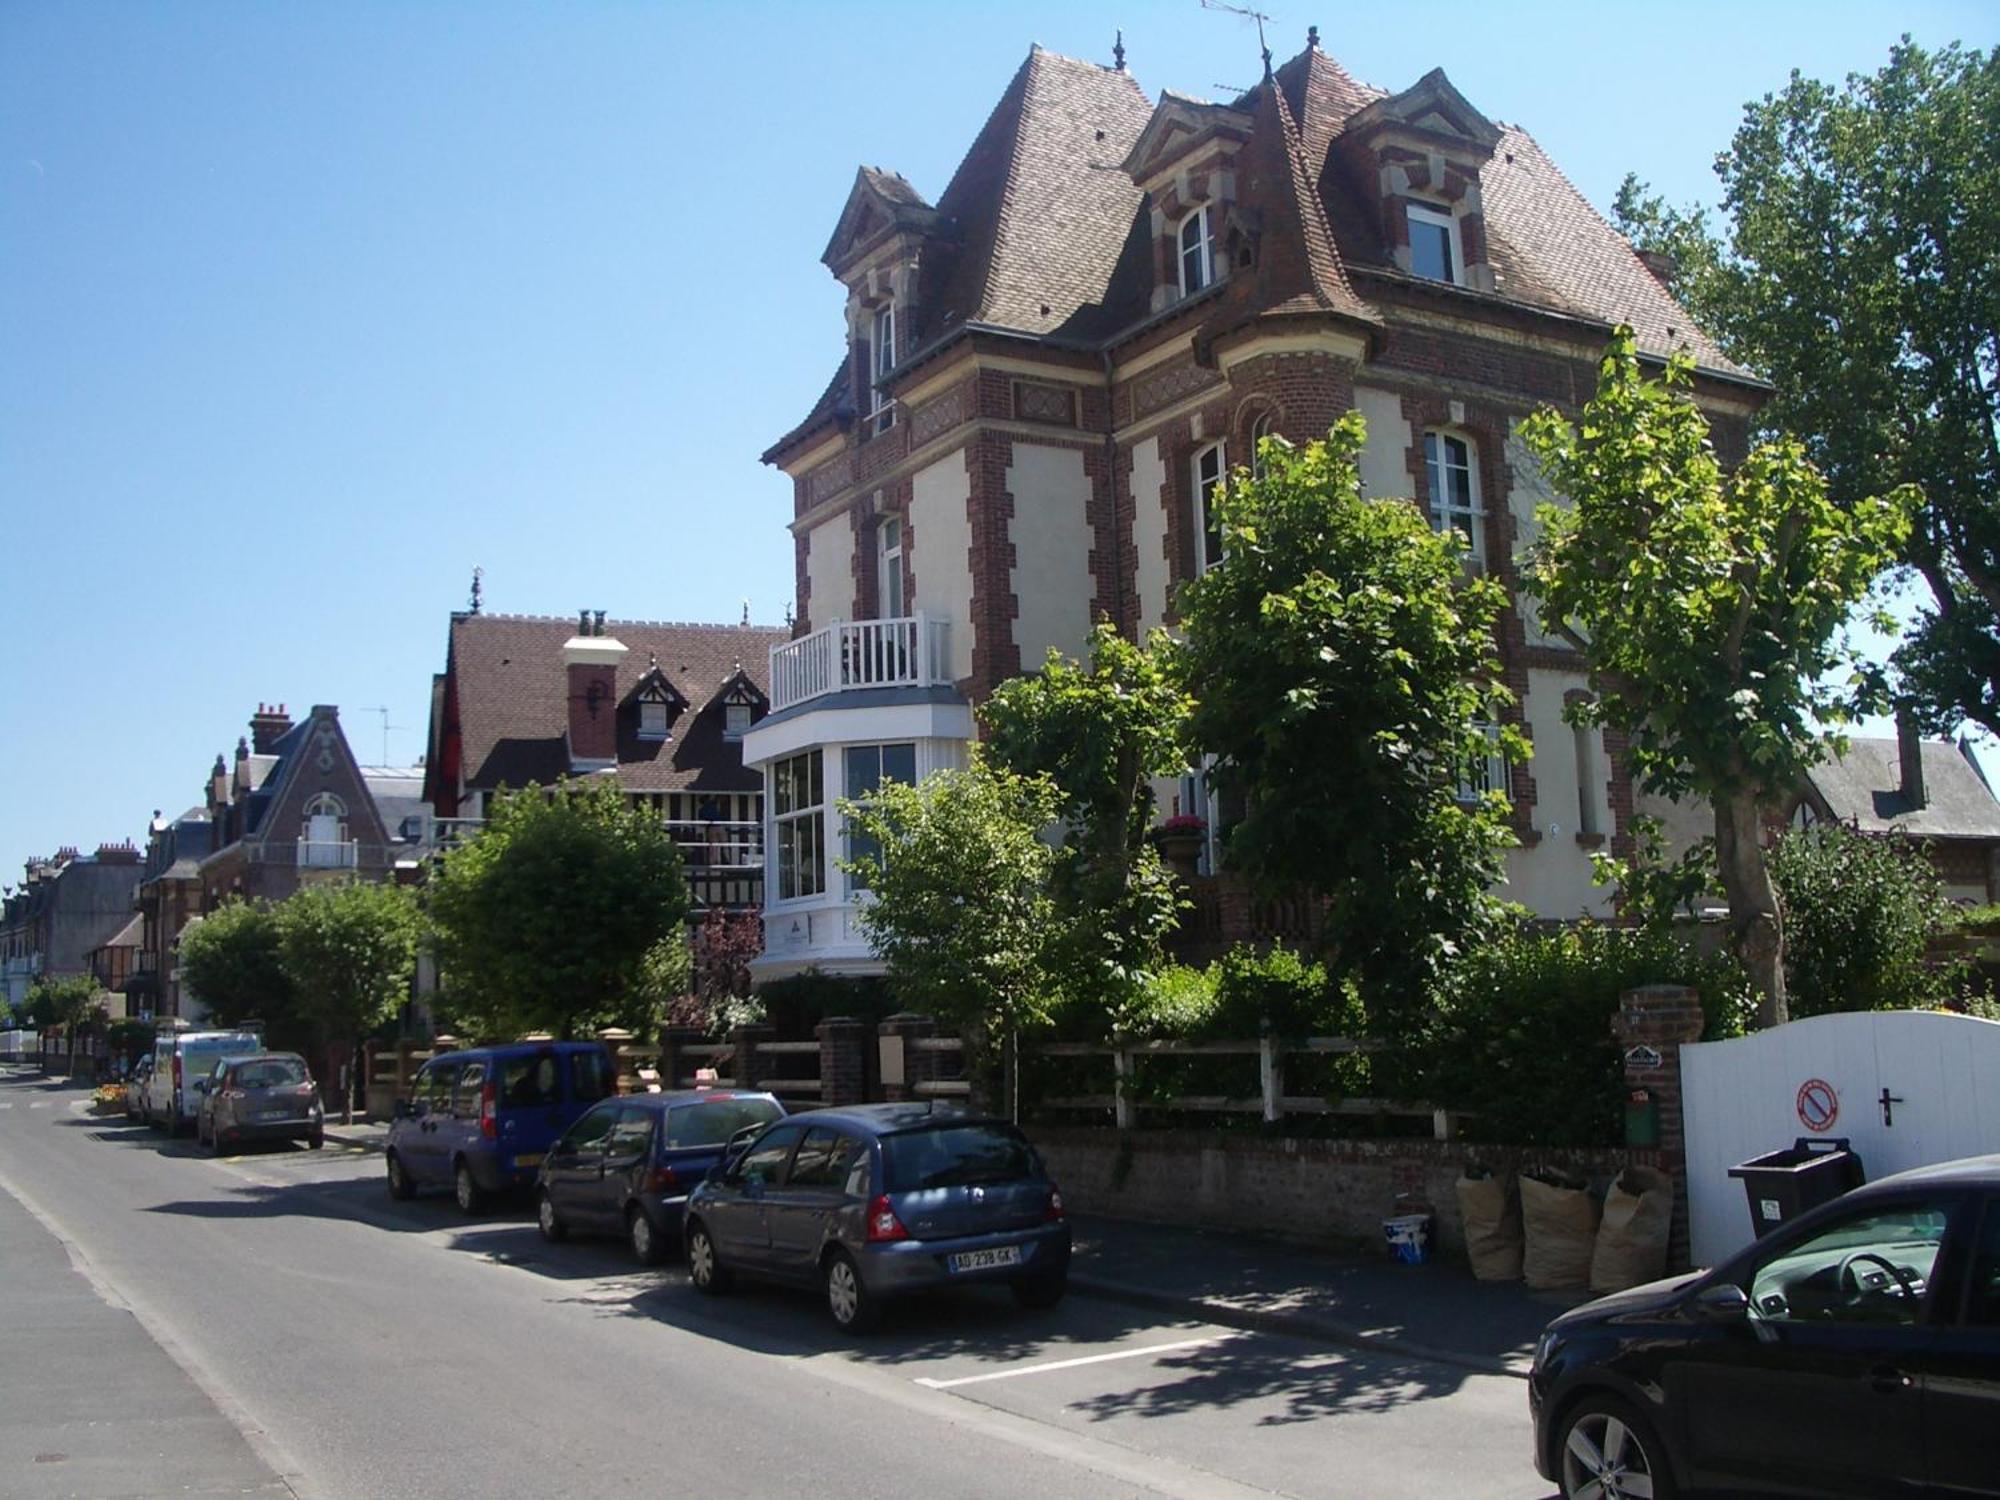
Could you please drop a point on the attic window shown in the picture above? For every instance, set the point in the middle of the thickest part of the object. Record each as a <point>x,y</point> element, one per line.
<point>1197,243</point>
<point>656,718</point>
<point>739,709</point>
<point>1434,252</point>
<point>883,355</point>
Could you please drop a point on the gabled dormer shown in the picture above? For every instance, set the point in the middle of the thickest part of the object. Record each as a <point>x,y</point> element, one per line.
<point>1421,151</point>
<point>878,251</point>
<point>654,703</point>
<point>743,704</point>
<point>1185,163</point>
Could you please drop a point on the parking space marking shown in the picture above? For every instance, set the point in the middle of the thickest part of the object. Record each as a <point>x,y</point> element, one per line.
<point>1071,1364</point>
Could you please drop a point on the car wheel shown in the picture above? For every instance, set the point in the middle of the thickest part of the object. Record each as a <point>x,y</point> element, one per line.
<point>649,1246</point>
<point>465,1187</point>
<point>1609,1453</point>
<point>705,1268</point>
<point>316,1141</point>
<point>400,1185</point>
<point>1041,1291</point>
<point>854,1310</point>
<point>547,1220</point>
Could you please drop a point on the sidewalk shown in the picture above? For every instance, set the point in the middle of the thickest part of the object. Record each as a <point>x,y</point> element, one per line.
<point>1435,1311</point>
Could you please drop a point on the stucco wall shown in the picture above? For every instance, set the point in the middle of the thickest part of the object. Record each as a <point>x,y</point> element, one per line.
<point>1554,877</point>
<point>941,551</point>
<point>1149,531</point>
<point>1385,458</point>
<point>1527,490</point>
<point>830,571</point>
<point>1051,534</point>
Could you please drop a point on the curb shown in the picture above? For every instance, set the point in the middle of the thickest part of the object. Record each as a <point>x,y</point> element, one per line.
<point>1296,1324</point>
<point>336,1137</point>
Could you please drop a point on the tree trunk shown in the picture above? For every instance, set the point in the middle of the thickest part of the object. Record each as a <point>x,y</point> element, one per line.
<point>1755,929</point>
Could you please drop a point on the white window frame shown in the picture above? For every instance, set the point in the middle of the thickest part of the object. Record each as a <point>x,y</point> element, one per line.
<point>882,359</point>
<point>1208,468</point>
<point>1445,510</point>
<point>1589,824</point>
<point>847,834</point>
<point>736,719</point>
<point>1202,250</point>
<point>650,706</point>
<point>1259,430</point>
<point>889,600</point>
<point>1485,774</point>
<point>1440,218</point>
<point>789,827</point>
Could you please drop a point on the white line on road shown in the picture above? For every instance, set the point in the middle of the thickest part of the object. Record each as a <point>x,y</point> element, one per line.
<point>1071,1364</point>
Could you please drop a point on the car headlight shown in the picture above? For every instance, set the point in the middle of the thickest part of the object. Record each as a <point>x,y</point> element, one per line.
<point>1545,1347</point>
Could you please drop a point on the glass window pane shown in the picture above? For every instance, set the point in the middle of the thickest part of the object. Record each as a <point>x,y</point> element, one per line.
<point>529,1082</point>
<point>1982,1307</point>
<point>1871,1268</point>
<point>956,1156</point>
<point>899,763</point>
<point>763,1162</point>
<point>864,769</point>
<point>633,1134</point>
<point>713,1123</point>
<point>589,1076</point>
<point>588,1134</point>
<point>1430,249</point>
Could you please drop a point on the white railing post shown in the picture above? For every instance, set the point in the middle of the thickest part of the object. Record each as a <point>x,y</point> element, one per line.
<point>1121,1088</point>
<point>923,645</point>
<point>1271,1074</point>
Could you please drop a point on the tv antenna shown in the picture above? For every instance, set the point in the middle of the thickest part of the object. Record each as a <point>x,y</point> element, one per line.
<point>1249,15</point>
<point>383,710</point>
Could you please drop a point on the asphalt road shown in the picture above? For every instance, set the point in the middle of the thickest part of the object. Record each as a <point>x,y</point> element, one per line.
<point>326,1341</point>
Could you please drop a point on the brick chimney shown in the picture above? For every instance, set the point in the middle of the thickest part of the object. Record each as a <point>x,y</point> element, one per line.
<point>1664,265</point>
<point>218,784</point>
<point>590,659</point>
<point>122,853</point>
<point>267,726</point>
<point>1910,752</point>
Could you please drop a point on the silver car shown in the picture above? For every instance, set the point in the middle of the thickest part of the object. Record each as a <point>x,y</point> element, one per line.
<point>266,1096</point>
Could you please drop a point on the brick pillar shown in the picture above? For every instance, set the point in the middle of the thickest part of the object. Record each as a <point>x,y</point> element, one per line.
<point>899,1031</point>
<point>676,1067</point>
<point>843,1059</point>
<point>617,1044</point>
<point>745,1065</point>
<point>1652,1023</point>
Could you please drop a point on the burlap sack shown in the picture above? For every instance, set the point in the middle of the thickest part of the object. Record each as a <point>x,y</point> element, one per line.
<point>1490,1210</point>
<point>1632,1240</point>
<point>1560,1228</point>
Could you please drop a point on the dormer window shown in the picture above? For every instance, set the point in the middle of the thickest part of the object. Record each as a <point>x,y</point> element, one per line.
<point>739,707</point>
<point>1434,249</point>
<point>657,703</point>
<point>655,719</point>
<point>883,346</point>
<point>1197,242</point>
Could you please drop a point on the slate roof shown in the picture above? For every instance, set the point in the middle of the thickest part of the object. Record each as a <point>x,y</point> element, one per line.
<point>513,708</point>
<point>398,794</point>
<point>1864,788</point>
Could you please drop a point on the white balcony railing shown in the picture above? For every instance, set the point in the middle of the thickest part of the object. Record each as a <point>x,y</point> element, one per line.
<point>909,651</point>
<point>326,854</point>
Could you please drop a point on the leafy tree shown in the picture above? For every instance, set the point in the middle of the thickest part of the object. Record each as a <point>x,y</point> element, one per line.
<point>350,950</point>
<point>70,1003</point>
<point>231,962</point>
<point>1709,609</point>
<point>1345,667</point>
<point>1860,274</point>
<point>544,921</point>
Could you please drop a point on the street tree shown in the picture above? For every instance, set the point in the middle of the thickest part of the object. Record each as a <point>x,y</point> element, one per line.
<point>544,920</point>
<point>1709,609</point>
<point>230,961</point>
<point>350,950</point>
<point>1346,669</point>
<point>1859,271</point>
<point>70,1003</point>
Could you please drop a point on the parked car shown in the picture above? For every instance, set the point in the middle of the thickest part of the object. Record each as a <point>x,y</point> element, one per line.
<point>879,1200</point>
<point>179,1058</point>
<point>1853,1352</point>
<point>482,1119</point>
<point>628,1165</point>
<point>267,1096</point>
<point>135,1089</point>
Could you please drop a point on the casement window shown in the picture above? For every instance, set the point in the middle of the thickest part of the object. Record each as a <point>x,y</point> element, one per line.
<point>736,720</point>
<point>1259,430</point>
<point>1434,251</point>
<point>883,347</point>
<point>867,768</point>
<point>1197,242</point>
<point>654,719</point>
<point>1209,466</point>
<point>798,797</point>
<point>1588,824</point>
<point>889,569</point>
<point>1454,487</point>
<point>1483,774</point>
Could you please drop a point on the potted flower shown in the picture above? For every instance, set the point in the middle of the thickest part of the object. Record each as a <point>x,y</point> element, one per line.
<point>1180,839</point>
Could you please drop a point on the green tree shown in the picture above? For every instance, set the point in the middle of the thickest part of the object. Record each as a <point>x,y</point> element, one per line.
<point>350,950</point>
<point>545,920</point>
<point>230,961</point>
<point>1345,666</point>
<point>70,1003</point>
<point>1861,275</point>
<point>1709,609</point>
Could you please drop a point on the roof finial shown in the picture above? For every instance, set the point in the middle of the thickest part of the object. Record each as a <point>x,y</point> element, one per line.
<point>1118,51</point>
<point>652,661</point>
<point>1312,39</point>
<point>477,574</point>
<point>746,611</point>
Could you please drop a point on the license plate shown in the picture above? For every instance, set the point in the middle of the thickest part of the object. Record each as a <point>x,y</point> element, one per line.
<point>530,1159</point>
<point>274,1114</point>
<point>986,1260</point>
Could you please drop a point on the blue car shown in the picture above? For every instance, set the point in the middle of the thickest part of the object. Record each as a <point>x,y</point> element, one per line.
<point>481,1120</point>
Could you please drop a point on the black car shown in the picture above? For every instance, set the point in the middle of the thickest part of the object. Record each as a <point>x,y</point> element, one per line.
<point>628,1165</point>
<point>876,1200</point>
<point>1854,1352</point>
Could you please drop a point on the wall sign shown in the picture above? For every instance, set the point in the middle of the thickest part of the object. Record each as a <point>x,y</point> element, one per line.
<point>1818,1105</point>
<point>1642,1056</point>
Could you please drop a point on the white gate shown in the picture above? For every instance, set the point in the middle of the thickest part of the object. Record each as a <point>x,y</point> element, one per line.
<point>1906,1087</point>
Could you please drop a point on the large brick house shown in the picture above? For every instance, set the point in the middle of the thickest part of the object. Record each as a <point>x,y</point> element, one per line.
<point>64,909</point>
<point>1046,371</point>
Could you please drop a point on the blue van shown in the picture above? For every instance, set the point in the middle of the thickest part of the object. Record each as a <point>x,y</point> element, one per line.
<point>482,1119</point>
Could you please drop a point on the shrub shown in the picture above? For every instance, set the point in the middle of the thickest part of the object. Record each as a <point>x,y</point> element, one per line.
<point>1859,910</point>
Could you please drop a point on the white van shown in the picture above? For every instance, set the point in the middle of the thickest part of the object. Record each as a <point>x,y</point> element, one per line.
<point>181,1057</point>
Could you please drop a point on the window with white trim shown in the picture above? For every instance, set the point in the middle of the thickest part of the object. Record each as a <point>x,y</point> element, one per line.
<point>1483,774</point>
<point>736,720</point>
<point>1259,430</point>
<point>1453,479</point>
<point>1197,244</point>
<point>867,767</point>
<point>883,355</point>
<point>798,797</point>
<point>1209,466</point>
<point>325,820</point>
<point>1434,251</point>
<point>889,569</point>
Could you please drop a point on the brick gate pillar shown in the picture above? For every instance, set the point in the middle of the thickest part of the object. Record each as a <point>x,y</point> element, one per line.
<point>843,1059</point>
<point>902,1066</point>
<point>676,1067</point>
<point>745,1064</point>
<point>1652,1023</point>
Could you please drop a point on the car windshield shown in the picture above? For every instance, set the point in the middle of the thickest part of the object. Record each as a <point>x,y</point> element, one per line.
<point>271,1073</point>
<point>716,1120</point>
<point>955,1156</point>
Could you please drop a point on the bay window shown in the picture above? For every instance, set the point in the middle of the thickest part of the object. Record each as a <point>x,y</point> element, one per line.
<point>798,797</point>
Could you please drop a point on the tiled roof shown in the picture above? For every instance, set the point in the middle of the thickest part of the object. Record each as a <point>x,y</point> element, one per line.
<point>513,708</point>
<point>1864,788</point>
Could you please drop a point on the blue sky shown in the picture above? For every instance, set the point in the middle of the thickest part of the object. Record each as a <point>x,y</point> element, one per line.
<point>306,309</point>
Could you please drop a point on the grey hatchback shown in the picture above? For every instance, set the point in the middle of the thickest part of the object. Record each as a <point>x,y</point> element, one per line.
<point>878,1200</point>
<point>265,1096</point>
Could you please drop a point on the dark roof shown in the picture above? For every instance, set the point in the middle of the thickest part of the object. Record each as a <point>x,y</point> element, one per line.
<point>1864,788</point>
<point>513,705</point>
<point>883,1118</point>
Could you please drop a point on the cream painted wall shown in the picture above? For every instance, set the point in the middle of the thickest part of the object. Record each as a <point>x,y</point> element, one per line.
<point>941,543</point>
<point>1149,532</point>
<point>1554,878</point>
<point>830,570</point>
<point>1528,489</point>
<point>1385,457</point>
<point>1051,535</point>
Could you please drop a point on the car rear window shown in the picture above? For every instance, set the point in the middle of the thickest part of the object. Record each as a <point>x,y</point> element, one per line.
<point>715,1121</point>
<point>955,1155</point>
<point>529,1082</point>
<point>271,1073</point>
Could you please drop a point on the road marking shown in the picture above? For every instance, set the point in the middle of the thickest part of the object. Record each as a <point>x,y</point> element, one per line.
<point>1071,1364</point>
<point>39,1104</point>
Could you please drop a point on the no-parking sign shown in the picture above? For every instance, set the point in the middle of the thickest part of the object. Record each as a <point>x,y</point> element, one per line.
<point>1818,1105</point>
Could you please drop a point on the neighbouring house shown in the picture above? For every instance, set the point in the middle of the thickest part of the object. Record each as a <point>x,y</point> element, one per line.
<point>1046,372</point>
<point>113,963</point>
<point>170,896</point>
<point>66,907</point>
<point>527,700</point>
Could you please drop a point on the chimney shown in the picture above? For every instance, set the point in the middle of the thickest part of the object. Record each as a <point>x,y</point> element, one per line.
<point>267,726</point>
<point>218,783</point>
<point>590,659</point>
<point>1664,265</point>
<point>1910,751</point>
<point>121,853</point>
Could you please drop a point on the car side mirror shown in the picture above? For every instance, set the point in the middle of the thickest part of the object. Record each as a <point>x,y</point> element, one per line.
<point>1722,1303</point>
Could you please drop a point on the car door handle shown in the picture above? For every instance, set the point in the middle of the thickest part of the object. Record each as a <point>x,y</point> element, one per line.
<point>1888,1380</point>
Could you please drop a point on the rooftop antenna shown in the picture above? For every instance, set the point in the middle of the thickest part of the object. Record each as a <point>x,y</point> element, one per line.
<point>383,710</point>
<point>478,590</point>
<point>1255,15</point>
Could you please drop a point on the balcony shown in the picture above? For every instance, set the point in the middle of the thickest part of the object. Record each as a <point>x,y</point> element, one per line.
<point>909,651</point>
<point>327,854</point>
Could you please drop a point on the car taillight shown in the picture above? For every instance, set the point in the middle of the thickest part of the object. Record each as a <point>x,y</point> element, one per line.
<point>1053,1214</point>
<point>303,1089</point>
<point>661,1180</point>
<point>883,1225</point>
<point>489,1112</point>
